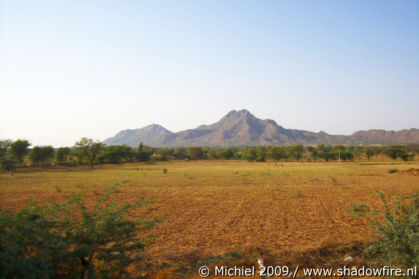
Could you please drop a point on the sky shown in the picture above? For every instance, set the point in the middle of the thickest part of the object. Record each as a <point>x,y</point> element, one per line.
<point>72,69</point>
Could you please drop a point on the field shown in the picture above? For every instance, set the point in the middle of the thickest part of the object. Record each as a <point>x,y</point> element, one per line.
<point>285,212</point>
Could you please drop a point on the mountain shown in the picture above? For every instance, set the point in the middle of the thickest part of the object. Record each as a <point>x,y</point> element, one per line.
<point>241,128</point>
<point>150,135</point>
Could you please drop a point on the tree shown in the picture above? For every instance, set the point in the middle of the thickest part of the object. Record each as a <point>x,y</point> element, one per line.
<point>7,162</point>
<point>143,153</point>
<point>19,149</point>
<point>297,151</point>
<point>180,153</point>
<point>116,153</point>
<point>196,153</point>
<point>346,155</point>
<point>89,149</point>
<point>369,152</point>
<point>4,147</point>
<point>395,151</point>
<point>62,154</point>
<point>166,153</point>
<point>225,153</point>
<point>328,155</point>
<point>249,154</point>
<point>339,147</point>
<point>261,154</point>
<point>277,153</point>
<point>314,154</point>
<point>41,155</point>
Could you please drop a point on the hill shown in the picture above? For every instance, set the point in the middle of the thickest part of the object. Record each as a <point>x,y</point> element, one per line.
<point>241,128</point>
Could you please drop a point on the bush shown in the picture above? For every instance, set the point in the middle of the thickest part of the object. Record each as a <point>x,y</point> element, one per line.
<point>41,155</point>
<point>8,164</point>
<point>396,230</point>
<point>68,240</point>
<point>62,155</point>
<point>393,170</point>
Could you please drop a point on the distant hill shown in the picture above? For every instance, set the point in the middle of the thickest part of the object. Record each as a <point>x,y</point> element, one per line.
<point>151,135</point>
<point>241,128</point>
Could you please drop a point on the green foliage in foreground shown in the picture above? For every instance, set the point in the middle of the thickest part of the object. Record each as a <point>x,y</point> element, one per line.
<point>396,229</point>
<point>72,240</point>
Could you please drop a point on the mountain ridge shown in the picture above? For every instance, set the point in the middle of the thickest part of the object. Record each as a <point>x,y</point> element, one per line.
<point>241,128</point>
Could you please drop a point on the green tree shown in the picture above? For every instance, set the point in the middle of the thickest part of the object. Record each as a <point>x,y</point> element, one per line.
<point>347,155</point>
<point>261,154</point>
<point>7,162</point>
<point>225,153</point>
<point>369,152</point>
<point>88,149</point>
<point>144,153</point>
<point>297,151</point>
<point>328,155</point>
<point>180,153</point>
<point>116,153</point>
<point>41,155</point>
<point>395,151</point>
<point>19,149</point>
<point>62,155</point>
<point>4,147</point>
<point>249,154</point>
<point>195,153</point>
<point>314,154</point>
<point>277,153</point>
<point>166,153</point>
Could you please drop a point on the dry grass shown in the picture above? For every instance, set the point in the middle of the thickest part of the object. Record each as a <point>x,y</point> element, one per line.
<point>215,207</point>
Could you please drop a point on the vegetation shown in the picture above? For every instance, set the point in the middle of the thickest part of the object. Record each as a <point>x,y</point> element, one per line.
<point>19,149</point>
<point>41,155</point>
<point>71,240</point>
<point>88,151</point>
<point>62,155</point>
<point>397,151</point>
<point>396,230</point>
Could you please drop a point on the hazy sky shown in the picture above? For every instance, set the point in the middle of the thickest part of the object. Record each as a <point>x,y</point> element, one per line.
<point>92,68</point>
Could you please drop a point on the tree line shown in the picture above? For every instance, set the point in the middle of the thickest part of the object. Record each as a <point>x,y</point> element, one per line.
<point>15,154</point>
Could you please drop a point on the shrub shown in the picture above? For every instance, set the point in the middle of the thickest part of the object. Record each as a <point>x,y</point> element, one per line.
<point>62,155</point>
<point>41,155</point>
<point>71,240</point>
<point>393,170</point>
<point>8,164</point>
<point>396,230</point>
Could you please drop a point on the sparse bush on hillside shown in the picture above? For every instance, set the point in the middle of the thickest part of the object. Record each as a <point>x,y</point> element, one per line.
<point>71,240</point>
<point>396,230</point>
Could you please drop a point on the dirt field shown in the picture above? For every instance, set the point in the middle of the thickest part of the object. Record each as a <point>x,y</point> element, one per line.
<point>282,212</point>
